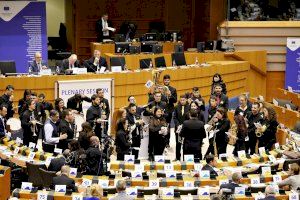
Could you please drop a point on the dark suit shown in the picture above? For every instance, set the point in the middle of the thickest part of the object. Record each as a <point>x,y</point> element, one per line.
<point>92,114</point>
<point>69,129</point>
<point>122,144</point>
<point>56,164</point>
<point>193,133</point>
<point>89,64</point>
<point>4,99</point>
<point>65,65</point>
<point>136,133</point>
<point>221,138</point>
<point>94,160</point>
<point>74,105</point>
<point>65,180</point>
<point>269,198</point>
<point>2,127</point>
<point>34,66</point>
<point>99,27</point>
<point>230,186</point>
<point>210,169</point>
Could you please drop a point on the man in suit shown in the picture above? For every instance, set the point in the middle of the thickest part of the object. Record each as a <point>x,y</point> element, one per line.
<point>7,100</point>
<point>236,179</point>
<point>64,179</point>
<point>222,99</point>
<point>121,189</point>
<point>37,64</point>
<point>196,96</point>
<point>59,161</point>
<point>193,133</point>
<point>95,62</point>
<point>94,157</point>
<point>102,28</point>
<point>105,109</point>
<point>270,193</point>
<point>45,104</point>
<point>3,112</point>
<point>75,102</point>
<point>66,126</point>
<point>68,64</point>
<point>211,163</point>
<point>180,115</point>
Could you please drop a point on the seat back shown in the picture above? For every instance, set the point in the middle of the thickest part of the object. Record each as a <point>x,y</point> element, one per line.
<point>8,66</point>
<point>145,63</point>
<point>34,175</point>
<point>117,61</point>
<point>186,191</point>
<point>47,177</point>
<point>178,58</point>
<point>160,62</point>
<point>148,191</point>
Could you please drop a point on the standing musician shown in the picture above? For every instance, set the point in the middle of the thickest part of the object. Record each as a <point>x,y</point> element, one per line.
<point>252,118</point>
<point>196,96</point>
<point>222,99</point>
<point>180,115</point>
<point>105,110</point>
<point>212,109</point>
<point>268,129</point>
<point>123,140</point>
<point>94,115</point>
<point>75,102</point>
<point>244,108</point>
<point>66,125</point>
<point>29,124</point>
<point>135,124</point>
<point>156,103</point>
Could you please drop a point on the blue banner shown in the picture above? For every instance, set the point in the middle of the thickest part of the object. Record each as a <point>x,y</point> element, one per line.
<point>22,32</point>
<point>292,71</point>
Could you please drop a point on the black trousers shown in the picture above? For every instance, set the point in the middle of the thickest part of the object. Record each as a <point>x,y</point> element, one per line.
<point>239,146</point>
<point>210,149</point>
<point>251,144</point>
<point>193,147</point>
<point>48,148</point>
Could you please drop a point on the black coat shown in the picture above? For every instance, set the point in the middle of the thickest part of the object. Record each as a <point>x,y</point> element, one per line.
<point>56,164</point>
<point>72,103</point>
<point>224,103</point>
<point>178,117</point>
<point>122,143</point>
<point>94,112</point>
<point>193,129</point>
<point>251,120</point>
<point>231,186</point>
<point>93,158</point>
<point>104,105</point>
<point>65,65</point>
<point>210,169</point>
<point>89,64</point>
<point>211,112</point>
<point>221,137</point>
<point>2,127</point>
<point>64,180</point>
<point>4,99</point>
<point>239,111</point>
<point>99,28</point>
<point>151,105</point>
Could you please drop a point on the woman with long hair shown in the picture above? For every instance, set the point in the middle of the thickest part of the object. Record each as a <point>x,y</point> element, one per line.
<point>85,134</point>
<point>241,134</point>
<point>217,80</point>
<point>59,105</point>
<point>222,125</point>
<point>195,106</point>
<point>22,105</point>
<point>157,133</point>
<point>268,129</point>
<point>123,139</point>
<point>117,115</point>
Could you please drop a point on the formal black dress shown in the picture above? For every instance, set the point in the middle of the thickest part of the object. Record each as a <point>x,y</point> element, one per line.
<point>221,138</point>
<point>157,141</point>
<point>122,144</point>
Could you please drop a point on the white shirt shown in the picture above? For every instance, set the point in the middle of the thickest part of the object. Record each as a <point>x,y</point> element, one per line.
<point>48,128</point>
<point>105,25</point>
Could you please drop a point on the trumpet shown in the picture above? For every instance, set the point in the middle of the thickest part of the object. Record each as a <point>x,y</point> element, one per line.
<point>260,131</point>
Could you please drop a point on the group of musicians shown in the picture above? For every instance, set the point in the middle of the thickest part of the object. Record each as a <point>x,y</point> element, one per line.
<point>253,122</point>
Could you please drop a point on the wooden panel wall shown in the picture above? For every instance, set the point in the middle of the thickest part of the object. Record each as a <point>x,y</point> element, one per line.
<point>193,17</point>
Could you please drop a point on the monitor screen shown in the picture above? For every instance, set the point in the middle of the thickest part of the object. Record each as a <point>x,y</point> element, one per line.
<point>146,47</point>
<point>122,47</point>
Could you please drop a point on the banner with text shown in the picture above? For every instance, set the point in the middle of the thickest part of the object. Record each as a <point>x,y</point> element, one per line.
<point>292,71</point>
<point>22,32</point>
<point>67,89</point>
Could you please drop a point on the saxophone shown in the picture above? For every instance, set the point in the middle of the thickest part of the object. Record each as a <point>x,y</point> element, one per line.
<point>260,131</point>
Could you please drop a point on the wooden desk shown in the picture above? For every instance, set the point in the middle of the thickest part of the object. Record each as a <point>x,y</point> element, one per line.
<point>235,74</point>
<point>5,183</point>
<point>168,47</point>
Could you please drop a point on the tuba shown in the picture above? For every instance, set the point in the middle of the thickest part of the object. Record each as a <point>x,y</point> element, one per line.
<point>260,131</point>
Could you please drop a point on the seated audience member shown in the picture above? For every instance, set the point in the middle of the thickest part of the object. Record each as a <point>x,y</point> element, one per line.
<point>68,64</point>
<point>7,99</point>
<point>123,141</point>
<point>270,193</point>
<point>95,192</point>
<point>97,61</point>
<point>217,80</point>
<point>211,163</point>
<point>64,179</point>
<point>294,180</point>
<point>22,105</point>
<point>59,161</point>
<point>85,134</point>
<point>51,134</point>
<point>37,64</point>
<point>121,189</point>
<point>236,180</point>
<point>94,157</point>
<point>75,102</point>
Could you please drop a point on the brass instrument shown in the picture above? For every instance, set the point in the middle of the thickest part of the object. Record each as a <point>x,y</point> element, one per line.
<point>260,131</point>
<point>232,134</point>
